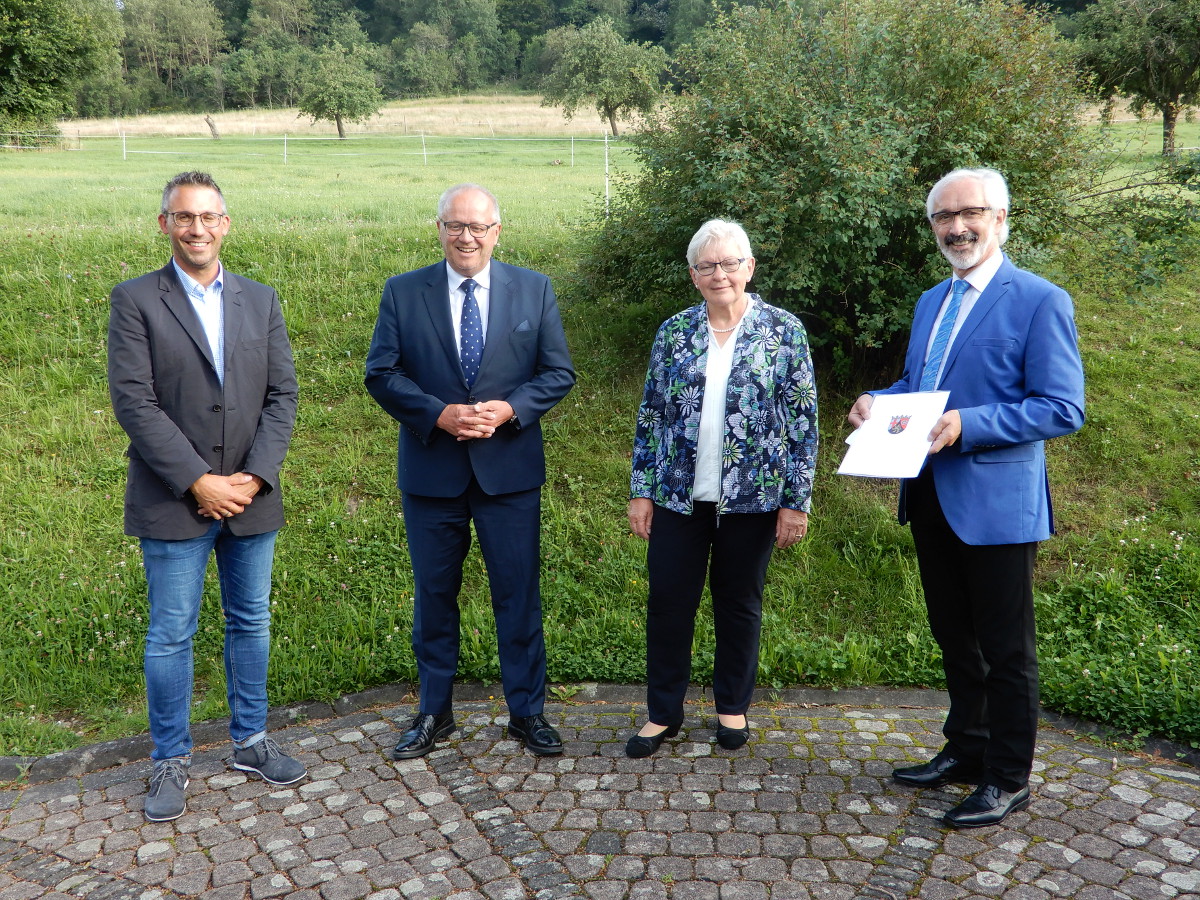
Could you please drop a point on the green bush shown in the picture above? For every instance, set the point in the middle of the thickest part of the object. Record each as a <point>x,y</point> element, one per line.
<point>821,133</point>
<point>1119,646</point>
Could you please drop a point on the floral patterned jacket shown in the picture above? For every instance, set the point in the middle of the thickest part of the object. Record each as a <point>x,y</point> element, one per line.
<point>770,448</point>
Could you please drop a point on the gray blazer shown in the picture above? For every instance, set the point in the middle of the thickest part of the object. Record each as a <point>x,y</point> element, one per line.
<point>181,422</point>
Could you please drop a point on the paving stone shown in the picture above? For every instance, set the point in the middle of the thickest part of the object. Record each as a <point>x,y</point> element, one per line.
<point>806,811</point>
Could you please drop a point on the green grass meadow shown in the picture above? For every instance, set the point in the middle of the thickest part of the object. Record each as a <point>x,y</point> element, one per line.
<point>1118,592</point>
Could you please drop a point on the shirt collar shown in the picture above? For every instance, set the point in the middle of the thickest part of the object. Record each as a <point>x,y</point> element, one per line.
<point>192,286</point>
<point>483,278</point>
<point>981,276</point>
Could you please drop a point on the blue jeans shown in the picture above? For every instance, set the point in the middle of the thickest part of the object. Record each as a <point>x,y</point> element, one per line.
<point>175,576</point>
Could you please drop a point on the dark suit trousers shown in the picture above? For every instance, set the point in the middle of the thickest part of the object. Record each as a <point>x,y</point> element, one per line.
<point>509,531</point>
<point>980,604</point>
<point>733,551</point>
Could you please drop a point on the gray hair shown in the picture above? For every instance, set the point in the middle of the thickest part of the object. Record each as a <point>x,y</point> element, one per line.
<point>995,191</point>
<point>190,179</point>
<point>716,231</point>
<point>450,193</point>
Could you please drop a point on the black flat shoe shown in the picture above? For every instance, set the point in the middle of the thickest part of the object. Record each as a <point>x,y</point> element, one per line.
<point>732,738</point>
<point>536,733</point>
<point>638,747</point>
<point>422,733</point>
<point>988,805</point>
<point>942,769</point>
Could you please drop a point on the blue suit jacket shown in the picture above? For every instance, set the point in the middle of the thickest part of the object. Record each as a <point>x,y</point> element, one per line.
<point>1015,376</point>
<point>413,372</point>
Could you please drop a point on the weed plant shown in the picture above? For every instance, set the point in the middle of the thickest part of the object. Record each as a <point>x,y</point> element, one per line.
<point>1117,590</point>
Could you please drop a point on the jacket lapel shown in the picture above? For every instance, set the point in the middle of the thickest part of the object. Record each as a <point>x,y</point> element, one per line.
<point>499,314</point>
<point>996,289</point>
<point>436,297</point>
<point>234,314</point>
<point>176,300</point>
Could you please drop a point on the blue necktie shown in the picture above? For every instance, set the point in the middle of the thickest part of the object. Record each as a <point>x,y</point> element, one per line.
<point>470,334</point>
<point>929,378</point>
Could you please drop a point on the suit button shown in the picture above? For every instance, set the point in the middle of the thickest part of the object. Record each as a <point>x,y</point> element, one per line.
<point>217,408</point>
<point>218,448</point>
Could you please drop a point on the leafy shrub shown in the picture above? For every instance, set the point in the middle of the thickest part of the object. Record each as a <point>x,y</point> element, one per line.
<point>1121,647</point>
<point>822,133</point>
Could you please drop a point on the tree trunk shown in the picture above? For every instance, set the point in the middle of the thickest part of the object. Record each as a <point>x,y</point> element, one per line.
<point>612,121</point>
<point>212,126</point>
<point>337,117</point>
<point>1170,114</point>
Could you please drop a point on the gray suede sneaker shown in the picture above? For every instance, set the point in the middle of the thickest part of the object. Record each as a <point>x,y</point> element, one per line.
<point>167,798</point>
<point>266,760</point>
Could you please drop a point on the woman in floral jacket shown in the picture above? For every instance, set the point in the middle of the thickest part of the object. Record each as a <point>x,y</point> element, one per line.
<point>723,462</point>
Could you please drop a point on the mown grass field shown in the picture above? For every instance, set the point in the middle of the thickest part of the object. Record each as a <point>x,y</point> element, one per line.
<point>1119,601</point>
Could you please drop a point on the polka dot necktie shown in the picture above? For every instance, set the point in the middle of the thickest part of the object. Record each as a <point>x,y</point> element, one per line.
<point>470,336</point>
<point>929,378</point>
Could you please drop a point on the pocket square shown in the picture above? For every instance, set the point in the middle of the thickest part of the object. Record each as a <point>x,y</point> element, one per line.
<point>524,326</point>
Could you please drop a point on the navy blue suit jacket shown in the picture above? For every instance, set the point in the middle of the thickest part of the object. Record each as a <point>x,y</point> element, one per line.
<point>413,372</point>
<point>1015,376</point>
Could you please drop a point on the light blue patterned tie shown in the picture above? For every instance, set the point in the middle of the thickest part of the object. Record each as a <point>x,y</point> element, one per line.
<point>929,378</point>
<point>470,335</point>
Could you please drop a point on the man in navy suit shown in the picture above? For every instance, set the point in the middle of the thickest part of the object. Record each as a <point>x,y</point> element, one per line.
<point>1003,343</point>
<point>201,378</point>
<point>468,355</point>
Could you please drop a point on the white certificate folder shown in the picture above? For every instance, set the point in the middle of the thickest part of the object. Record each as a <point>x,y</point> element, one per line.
<point>894,442</point>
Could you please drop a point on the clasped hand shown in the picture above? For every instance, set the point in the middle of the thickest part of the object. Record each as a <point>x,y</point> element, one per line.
<point>222,496</point>
<point>468,421</point>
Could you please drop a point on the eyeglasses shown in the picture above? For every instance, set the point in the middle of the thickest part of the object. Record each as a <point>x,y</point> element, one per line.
<point>731,264</point>
<point>185,219</point>
<point>477,229</point>
<point>970,215</point>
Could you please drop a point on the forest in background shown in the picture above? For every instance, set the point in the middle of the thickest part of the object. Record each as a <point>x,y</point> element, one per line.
<point>143,56</point>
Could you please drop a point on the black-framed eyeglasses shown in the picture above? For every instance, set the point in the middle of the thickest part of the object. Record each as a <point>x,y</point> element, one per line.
<point>730,264</point>
<point>477,229</point>
<point>969,214</point>
<point>185,219</point>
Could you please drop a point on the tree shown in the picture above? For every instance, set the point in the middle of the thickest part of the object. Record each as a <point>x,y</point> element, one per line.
<point>341,89</point>
<point>822,133</point>
<point>595,66</point>
<point>47,49</point>
<point>171,39</point>
<point>1146,49</point>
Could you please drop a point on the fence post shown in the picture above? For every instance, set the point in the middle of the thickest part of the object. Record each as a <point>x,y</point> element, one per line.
<point>424,153</point>
<point>606,174</point>
<point>285,148</point>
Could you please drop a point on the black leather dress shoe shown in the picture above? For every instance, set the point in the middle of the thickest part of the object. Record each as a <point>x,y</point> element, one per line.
<point>422,733</point>
<point>988,805</point>
<point>942,769</point>
<point>638,747</point>
<point>538,734</point>
<point>732,738</point>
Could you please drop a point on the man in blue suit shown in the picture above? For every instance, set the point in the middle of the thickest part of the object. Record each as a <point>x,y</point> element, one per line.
<point>1002,341</point>
<point>468,354</point>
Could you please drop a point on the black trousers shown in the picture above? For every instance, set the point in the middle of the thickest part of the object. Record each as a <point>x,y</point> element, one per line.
<point>980,604</point>
<point>732,551</point>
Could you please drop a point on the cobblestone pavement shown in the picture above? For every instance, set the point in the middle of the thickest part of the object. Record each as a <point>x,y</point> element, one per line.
<point>806,810</point>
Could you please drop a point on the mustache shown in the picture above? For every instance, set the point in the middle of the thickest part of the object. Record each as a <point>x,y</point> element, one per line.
<point>960,240</point>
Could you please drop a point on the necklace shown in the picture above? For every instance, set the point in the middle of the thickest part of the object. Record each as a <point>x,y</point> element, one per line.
<point>721,330</point>
<point>732,327</point>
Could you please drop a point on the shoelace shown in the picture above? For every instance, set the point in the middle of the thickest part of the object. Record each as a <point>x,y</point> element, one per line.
<point>170,768</point>
<point>270,748</point>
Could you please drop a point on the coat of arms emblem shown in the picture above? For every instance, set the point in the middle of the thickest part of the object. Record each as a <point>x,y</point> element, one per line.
<point>899,423</point>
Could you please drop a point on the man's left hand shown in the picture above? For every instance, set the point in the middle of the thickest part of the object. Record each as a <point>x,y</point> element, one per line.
<point>492,414</point>
<point>946,431</point>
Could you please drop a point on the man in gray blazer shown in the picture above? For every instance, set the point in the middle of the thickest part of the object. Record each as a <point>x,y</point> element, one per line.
<point>468,354</point>
<point>201,378</point>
